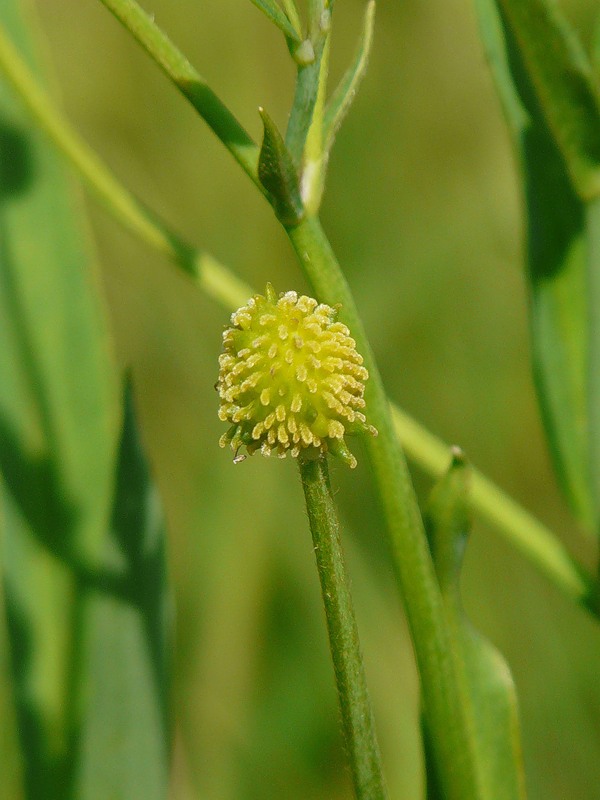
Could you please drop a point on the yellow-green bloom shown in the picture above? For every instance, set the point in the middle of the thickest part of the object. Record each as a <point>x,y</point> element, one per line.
<point>290,379</point>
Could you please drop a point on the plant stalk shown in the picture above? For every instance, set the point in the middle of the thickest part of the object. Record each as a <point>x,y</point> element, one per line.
<point>355,707</point>
<point>409,550</point>
<point>540,546</point>
<point>190,83</point>
<point>216,280</point>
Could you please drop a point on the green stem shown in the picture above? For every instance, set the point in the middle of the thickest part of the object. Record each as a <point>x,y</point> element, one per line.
<point>189,82</point>
<point>511,520</point>
<point>311,81</point>
<point>357,717</point>
<point>410,554</point>
<point>216,280</point>
<point>533,539</point>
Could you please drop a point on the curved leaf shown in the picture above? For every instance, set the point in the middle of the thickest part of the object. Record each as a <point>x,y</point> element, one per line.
<point>489,694</point>
<point>557,241</point>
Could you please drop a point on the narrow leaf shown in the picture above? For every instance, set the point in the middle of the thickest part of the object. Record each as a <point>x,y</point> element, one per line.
<point>311,79</point>
<point>272,11</point>
<point>124,738</point>
<point>344,95</point>
<point>291,11</point>
<point>557,253</point>
<point>278,175</point>
<point>489,695</point>
<point>568,94</point>
<point>58,414</point>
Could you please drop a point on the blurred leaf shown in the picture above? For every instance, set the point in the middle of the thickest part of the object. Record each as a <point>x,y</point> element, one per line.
<point>568,93</point>
<point>557,242</point>
<point>489,693</point>
<point>124,738</point>
<point>57,430</point>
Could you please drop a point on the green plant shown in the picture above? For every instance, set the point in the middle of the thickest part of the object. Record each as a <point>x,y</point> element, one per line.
<point>82,528</point>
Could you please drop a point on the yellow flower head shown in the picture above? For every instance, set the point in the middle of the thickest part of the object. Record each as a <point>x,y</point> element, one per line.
<point>290,379</point>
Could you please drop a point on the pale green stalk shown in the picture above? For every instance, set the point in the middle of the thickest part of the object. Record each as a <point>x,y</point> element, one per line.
<point>189,82</point>
<point>516,524</point>
<point>411,558</point>
<point>314,158</point>
<point>531,537</point>
<point>216,280</point>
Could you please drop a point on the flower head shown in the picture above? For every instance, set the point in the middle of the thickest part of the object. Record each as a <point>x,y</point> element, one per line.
<point>290,379</point>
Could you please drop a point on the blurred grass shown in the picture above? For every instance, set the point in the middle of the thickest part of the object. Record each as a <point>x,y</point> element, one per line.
<point>423,213</point>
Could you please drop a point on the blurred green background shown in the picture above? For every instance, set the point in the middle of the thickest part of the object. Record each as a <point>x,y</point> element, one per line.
<point>422,207</point>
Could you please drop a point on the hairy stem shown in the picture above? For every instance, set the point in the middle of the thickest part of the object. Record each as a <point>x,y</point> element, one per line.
<point>409,549</point>
<point>357,717</point>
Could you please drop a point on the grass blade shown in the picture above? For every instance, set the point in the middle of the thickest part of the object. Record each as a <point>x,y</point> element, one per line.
<point>131,212</point>
<point>58,414</point>
<point>557,247</point>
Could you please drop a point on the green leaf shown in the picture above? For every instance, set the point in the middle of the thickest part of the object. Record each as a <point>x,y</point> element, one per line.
<point>326,121</point>
<point>342,98</point>
<point>489,696</point>
<point>271,10</point>
<point>124,738</point>
<point>568,93</point>
<point>557,241</point>
<point>278,175</point>
<point>311,82</point>
<point>58,426</point>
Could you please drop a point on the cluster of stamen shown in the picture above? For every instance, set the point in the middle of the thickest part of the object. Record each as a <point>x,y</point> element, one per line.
<point>290,379</point>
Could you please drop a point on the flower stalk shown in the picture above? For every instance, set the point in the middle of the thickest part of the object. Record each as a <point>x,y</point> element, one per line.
<point>357,717</point>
